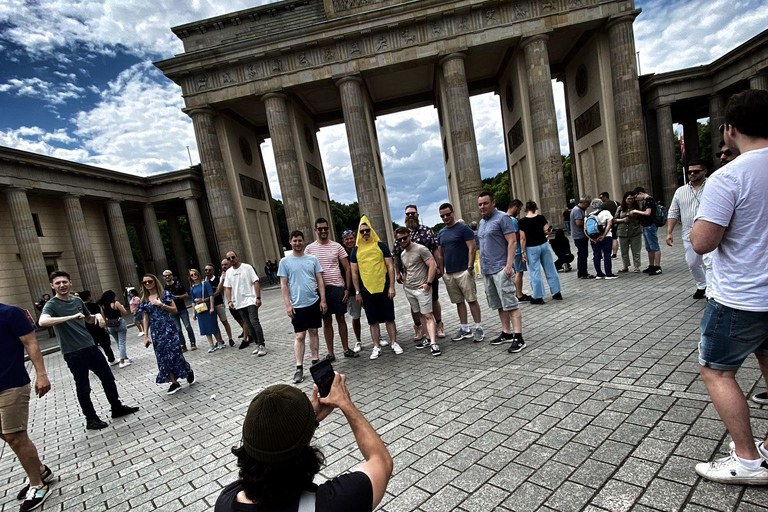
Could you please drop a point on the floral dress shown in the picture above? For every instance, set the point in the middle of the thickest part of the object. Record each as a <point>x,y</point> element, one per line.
<point>165,339</point>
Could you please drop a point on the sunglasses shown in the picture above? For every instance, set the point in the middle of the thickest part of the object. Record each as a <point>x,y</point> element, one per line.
<point>231,258</point>
<point>727,152</point>
<point>695,171</point>
<point>167,277</point>
<point>322,229</point>
<point>147,282</point>
<point>365,231</point>
<point>411,214</point>
<point>209,270</point>
<point>445,215</point>
<point>401,239</point>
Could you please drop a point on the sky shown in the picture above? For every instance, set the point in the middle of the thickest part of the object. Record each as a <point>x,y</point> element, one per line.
<point>77,82</point>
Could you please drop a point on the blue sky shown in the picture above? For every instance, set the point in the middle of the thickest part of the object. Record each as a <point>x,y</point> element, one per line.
<point>76,82</point>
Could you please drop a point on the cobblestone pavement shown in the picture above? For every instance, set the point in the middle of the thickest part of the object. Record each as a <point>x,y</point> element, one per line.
<point>603,411</point>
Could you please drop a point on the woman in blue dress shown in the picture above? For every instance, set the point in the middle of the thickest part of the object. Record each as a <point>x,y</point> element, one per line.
<point>157,306</point>
<point>201,294</point>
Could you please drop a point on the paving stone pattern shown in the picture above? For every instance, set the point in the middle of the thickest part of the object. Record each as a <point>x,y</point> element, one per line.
<point>603,411</point>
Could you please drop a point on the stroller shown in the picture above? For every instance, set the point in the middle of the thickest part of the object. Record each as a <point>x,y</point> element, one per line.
<point>562,248</point>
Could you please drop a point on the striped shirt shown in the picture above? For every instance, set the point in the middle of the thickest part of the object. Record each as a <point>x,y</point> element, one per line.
<point>329,256</point>
<point>685,206</point>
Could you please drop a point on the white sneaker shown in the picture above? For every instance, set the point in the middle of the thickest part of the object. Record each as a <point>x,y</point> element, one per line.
<point>140,335</point>
<point>115,362</point>
<point>383,343</point>
<point>125,364</point>
<point>376,352</point>
<point>358,346</point>
<point>758,444</point>
<point>397,348</point>
<point>729,470</point>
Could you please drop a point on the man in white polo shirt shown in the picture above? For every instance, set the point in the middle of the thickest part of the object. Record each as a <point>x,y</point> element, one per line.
<point>241,285</point>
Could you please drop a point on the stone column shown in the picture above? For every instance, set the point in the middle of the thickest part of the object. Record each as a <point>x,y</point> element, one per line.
<point>124,254</point>
<point>354,104</point>
<point>716,118</point>
<point>667,150</point>
<point>462,135</point>
<point>81,243</point>
<point>628,111</point>
<point>156,249</point>
<point>691,134</point>
<point>179,253</point>
<point>546,139</point>
<point>759,82</point>
<point>196,229</point>
<point>289,169</point>
<point>216,183</point>
<point>32,260</point>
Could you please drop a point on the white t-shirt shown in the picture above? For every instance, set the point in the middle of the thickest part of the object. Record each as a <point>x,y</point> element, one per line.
<point>604,217</point>
<point>241,281</point>
<point>735,198</point>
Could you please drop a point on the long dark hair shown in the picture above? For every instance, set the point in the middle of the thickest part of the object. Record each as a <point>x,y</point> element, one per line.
<point>270,485</point>
<point>107,298</point>
<point>624,206</point>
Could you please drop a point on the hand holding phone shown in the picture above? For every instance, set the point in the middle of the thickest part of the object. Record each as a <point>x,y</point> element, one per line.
<point>323,375</point>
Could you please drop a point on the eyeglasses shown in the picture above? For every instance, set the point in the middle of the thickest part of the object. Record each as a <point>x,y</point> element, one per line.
<point>445,215</point>
<point>695,171</point>
<point>401,239</point>
<point>322,229</point>
<point>411,214</point>
<point>365,231</point>
<point>727,152</point>
<point>147,282</point>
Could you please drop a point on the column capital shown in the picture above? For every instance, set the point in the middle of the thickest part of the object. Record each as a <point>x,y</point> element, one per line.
<point>618,19</point>
<point>193,197</point>
<point>451,56</point>
<point>16,189</point>
<point>349,78</point>
<point>115,201</point>
<point>196,111</point>
<point>528,40</point>
<point>276,94</point>
<point>72,196</point>
<point>661,106</point>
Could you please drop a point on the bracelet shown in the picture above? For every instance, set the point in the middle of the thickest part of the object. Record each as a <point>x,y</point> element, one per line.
<point>258,298</point>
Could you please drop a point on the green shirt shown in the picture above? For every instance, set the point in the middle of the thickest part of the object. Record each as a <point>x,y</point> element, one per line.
<point>72,335</point>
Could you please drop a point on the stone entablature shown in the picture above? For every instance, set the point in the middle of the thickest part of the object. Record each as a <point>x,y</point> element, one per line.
<point>353,44</point>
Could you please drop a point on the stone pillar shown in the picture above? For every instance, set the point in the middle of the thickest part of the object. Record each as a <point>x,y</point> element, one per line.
<point>546,139</point>
<point>123,252</point>
<point>32,260</point>
<point>627,107</point>
<point>179,253</point>
<point>667,150</point>
<point>462,135</point>
<point>716,118</point>
<point>353,104</point>
<point>216,184</point>
<point>289,170</point>
<point>759,82</point>
<point>196,229</point>
<point>156,249</point>
<point>81,243</point>
<point>691,134</point>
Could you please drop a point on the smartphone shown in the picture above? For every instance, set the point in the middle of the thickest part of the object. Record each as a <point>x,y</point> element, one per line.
<point>322,374</point>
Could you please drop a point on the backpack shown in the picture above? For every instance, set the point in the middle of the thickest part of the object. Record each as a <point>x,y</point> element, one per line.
<point>660,215</point>
<point>593,227</point>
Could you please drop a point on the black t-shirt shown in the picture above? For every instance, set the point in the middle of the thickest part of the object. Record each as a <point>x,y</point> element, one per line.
<point>533,227</point>
<point>176,288</point>
<point>217,299</point>
<point>350,492</point>
<point>646,220</point>
<point>97,333</point>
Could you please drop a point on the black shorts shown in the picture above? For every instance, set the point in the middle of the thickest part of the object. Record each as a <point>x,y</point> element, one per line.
<point>334,299</point>
<point>307,318</point>
<point>614,231</point>
<point>378,307</point>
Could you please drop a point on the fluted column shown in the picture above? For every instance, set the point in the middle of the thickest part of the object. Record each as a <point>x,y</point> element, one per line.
<point>156,248</point>
<point>627,107</point>
<point>716,118</point>
<point>289,169</point>
<point>196,229</point>
<point>179,253</point>
<point>81,243</point>
<point>759,82</point>
<point>216,184</point>
<point>361,154</point>
<point>32,260</point>
<point>691,134</point>
<point>123,253</point>
<point>546,139</point>
<point>667,150</point>
<point>462,135</point>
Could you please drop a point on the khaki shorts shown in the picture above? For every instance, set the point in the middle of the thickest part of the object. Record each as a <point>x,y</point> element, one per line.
<point>14,410</point>
<point>221,312</point>
<point>420,301</point>
<point>461,286</point>
<point>500,291</point>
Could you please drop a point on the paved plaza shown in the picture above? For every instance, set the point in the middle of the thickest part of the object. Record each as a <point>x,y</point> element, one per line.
<point>603,411</point>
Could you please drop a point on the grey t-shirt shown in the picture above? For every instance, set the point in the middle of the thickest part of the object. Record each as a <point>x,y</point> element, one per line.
<point>493,243</point>
<point>577,214</point>
<point>72,335</point>
<point>415,262</point>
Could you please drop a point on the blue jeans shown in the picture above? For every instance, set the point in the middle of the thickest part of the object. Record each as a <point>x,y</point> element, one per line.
<point>602,251</point>
<point>183,316</point>
<point>651,237</point>
<point>80,363</point>
<point>539,257</point>
<point>582,250</point>
<point>729,335</point>
<point>118,334</point>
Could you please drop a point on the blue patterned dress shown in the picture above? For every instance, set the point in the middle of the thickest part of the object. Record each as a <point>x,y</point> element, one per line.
<point>165,339</point>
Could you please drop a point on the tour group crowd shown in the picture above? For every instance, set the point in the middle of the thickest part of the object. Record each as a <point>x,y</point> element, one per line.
<point>722,216</point>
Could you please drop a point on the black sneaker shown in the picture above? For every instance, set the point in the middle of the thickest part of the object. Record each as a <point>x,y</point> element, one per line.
<point>700,294</point>
<point>423,344</point>
<point>760,398</point>
<point>242,335</point>
<point>557,296</point>
<point>46,476</point>
<point>517,345</point>
<point>525,298</point>
<point>123,410</point>
<point>435,349</point>
<point>298,376</point>
<point>648,270</point>
<point>95,424</point>
<point>502,338</point>
<point>330,357</point>
<point>655,272</point>
<point>231,343</point>
<point>537,301</point>
<point>35,497</point>
<point>350,353</point>
<point>175,386</point>
<point>191,377</point>
<point>243,344</point>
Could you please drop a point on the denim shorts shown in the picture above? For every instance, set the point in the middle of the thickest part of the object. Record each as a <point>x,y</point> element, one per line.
<point>519,265</point>
<point>650,235</point>
<point>729,336</point>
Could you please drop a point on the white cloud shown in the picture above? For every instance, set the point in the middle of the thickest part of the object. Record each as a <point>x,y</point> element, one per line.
<point>37,140</point>
<point>54,94</point>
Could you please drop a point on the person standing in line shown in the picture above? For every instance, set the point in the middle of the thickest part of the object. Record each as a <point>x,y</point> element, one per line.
<point>729,224</point>
<point>537,254</point>
<point>181,315</point>
<point>68,316</point>
<point>241,285</point>
<point>456,251</point>
<point>158,307</point>
<point>226,265</point>
<point>353,308</point>
<point>520,267</point>
<point>373,275</point>
<point>647,212</point>
<point>113,311</point>
<point>100,336</point>
<point>133,304</point>
<point>580,240</point>
<point>611,206</point>
<point>603,244</point>
<point>333,259</point>
<point>303,289</point>
<point>218,301</point>
<point>496,238</point>
<point>629,231</point>
<point>16,335</point>
<point>684,207</point>
<point>201,293</point>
